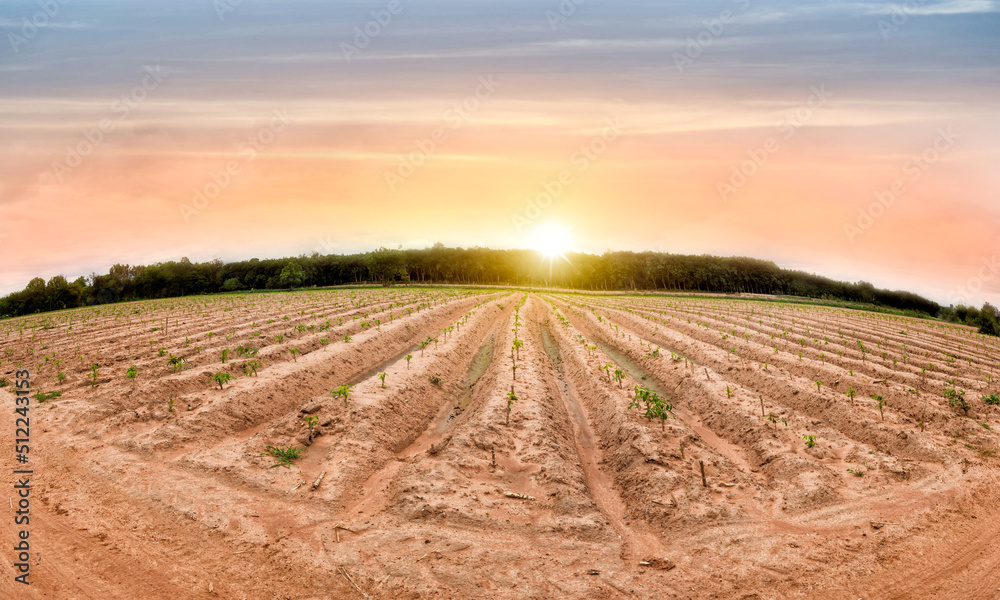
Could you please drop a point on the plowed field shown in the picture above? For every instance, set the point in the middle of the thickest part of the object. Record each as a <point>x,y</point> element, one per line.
<point>798,451</point>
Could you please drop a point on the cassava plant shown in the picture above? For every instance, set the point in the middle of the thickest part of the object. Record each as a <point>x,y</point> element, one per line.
<point>311,421</point>
<point>619,376</point>
<point>342,392</point>
<point>222,379</point>
<point>511,399</point>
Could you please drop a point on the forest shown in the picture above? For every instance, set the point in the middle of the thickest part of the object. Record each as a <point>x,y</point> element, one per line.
<point>611,271</point>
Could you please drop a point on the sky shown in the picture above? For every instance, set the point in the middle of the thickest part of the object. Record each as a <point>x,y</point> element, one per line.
<point>857,140</point>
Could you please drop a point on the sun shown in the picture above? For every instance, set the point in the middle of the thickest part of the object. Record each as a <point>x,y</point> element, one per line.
<point>552,240</point>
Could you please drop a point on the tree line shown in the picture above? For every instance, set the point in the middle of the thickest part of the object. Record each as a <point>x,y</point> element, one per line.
<point>987,319</point>
<point>611,271</point>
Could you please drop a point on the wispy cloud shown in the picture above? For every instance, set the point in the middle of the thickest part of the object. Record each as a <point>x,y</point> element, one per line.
<point>947,7</point>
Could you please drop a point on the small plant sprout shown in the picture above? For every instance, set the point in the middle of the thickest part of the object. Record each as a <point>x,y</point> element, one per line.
<point>654,406</point>
<point>513,369</point>
<point>342,392</point>
<point>347,339</point>
<point>251,367</point>
<point>435,380</point>
<point>221,379</point>
<point>856,472</point>
<point>224,355</point>
<point>409,357</point>
<point>511,399</point>
<point>295,353</point>
<point>992,399</point>
<point>881,405</point>
<point>729,392</point>
<point>60,376</point>
<point>819,386</point>
<point>132,372</point>
<point>93,374</point>
<point>851,393</point>
<point>607,371</point>
<point>170,405</point>
<point>761,405</point>
<point>956,398</point>
<point>311,422</point>
<point>382,377</point>
<point>774,420</point>
<point>286,457</point>
<point>810,440</point>
<point>619,376</point>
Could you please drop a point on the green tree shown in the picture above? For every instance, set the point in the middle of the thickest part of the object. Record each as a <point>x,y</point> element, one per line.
<point>989,320</point>
<point>292,275</point>
<point>386,266</point>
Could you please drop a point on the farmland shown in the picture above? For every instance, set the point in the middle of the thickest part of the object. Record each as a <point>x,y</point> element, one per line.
<point>459,443</point>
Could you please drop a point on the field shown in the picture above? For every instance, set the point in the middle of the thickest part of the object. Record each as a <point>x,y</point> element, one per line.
<point>462,443</point>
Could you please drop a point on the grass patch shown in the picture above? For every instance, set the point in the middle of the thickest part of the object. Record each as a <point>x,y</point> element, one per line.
<point>286,457</point>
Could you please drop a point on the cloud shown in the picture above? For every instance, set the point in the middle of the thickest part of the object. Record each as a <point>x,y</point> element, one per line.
<point>948,7</point>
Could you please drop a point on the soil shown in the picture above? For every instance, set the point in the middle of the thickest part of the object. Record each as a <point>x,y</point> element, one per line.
<point>457,476</point>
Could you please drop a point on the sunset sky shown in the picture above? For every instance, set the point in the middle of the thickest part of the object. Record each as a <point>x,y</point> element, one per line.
<point>139,132</point>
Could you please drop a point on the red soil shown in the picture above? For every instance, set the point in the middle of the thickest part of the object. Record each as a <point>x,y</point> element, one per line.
<point>422,488</point>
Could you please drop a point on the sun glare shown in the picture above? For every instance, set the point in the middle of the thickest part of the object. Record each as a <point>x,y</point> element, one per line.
<point>552,240</point>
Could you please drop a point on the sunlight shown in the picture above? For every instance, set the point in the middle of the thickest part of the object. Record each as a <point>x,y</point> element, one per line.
<point>552,240</point>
